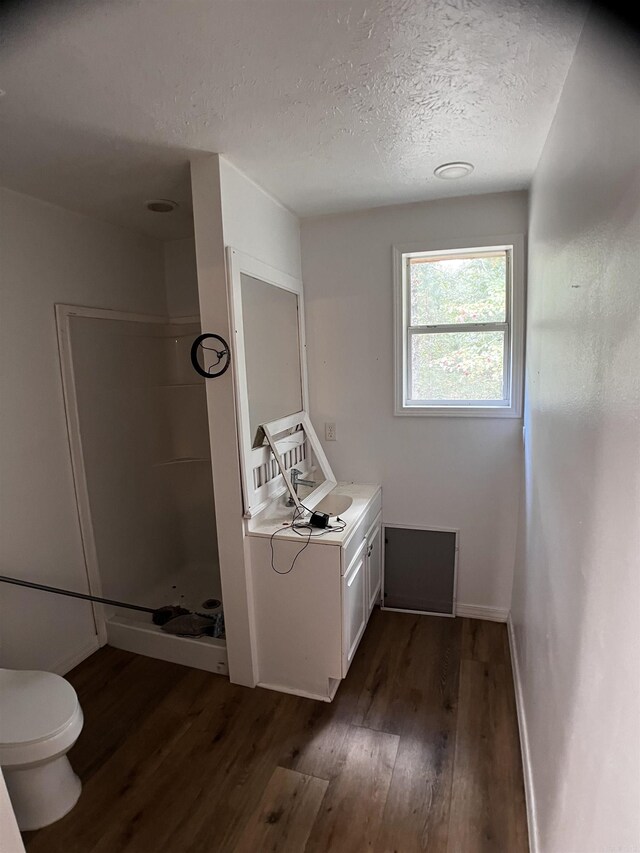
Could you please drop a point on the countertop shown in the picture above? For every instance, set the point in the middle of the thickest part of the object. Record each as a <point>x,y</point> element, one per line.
<point>277,516</point>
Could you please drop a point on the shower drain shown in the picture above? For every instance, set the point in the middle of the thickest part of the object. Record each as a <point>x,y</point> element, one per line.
<point>210,604</point>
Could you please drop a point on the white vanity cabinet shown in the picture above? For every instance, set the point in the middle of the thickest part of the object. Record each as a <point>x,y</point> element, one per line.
<point>301,602</point>
<point>361,586</point>
<point>309,619</point>
<point>355,610</point>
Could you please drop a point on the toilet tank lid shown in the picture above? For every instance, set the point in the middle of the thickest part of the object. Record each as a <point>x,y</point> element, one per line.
<point>34,705</point>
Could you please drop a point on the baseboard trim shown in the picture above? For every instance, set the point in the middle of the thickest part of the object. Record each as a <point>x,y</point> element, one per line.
<point>62,667</point>
<point>524,742</point>
<point>477,611</point>
<point>281,688</point>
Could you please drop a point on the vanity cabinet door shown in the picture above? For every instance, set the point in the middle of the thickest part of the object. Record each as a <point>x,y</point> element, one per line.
<point>354,605</point>
<point>374,563</point>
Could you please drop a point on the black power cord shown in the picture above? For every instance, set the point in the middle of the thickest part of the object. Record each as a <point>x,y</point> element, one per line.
<point>296,526</point>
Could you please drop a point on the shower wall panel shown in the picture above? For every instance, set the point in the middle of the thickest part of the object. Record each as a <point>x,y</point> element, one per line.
<point>125,434</point>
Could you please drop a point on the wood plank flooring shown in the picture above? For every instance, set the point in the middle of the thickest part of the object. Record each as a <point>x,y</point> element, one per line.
<point>419,751</point>
<point>286,813</point>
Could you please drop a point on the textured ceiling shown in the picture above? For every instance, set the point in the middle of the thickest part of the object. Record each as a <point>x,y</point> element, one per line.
<point>328,105</point>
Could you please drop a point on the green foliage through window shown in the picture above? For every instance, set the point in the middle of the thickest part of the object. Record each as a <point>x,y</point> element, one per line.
<point>457,364</point>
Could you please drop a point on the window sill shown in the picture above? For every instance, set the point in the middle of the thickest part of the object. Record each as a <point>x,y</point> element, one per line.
<point>458,411</point>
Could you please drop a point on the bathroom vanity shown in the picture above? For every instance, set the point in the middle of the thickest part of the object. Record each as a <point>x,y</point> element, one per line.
<point>310,615</point>
<point>309,591</point>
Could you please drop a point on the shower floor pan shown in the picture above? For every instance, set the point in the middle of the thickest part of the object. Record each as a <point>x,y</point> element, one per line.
<point>190,587</point>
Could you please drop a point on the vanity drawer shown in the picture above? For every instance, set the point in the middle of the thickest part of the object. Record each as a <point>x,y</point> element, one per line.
<point>360,533</point>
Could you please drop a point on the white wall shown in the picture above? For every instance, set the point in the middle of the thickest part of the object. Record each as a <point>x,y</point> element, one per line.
<point>576,600</point>
<point>231,210</point>
<point>181,277</point>
<point>441,472</point>
<point>256,223</point>
<point>50,255</point>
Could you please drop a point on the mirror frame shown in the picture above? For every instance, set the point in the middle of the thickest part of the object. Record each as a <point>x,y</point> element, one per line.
<point>271,430</point>
<point>256,497</point>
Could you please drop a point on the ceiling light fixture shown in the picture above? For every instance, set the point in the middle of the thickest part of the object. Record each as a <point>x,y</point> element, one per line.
<point>453,171</point>
<point>161,205</point>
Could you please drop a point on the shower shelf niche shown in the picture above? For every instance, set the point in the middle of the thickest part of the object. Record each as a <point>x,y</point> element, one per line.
<point>182,385</point>
<point>181,460</point>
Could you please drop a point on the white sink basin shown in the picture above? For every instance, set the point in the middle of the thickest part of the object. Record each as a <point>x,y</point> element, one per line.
<point>334,504</point>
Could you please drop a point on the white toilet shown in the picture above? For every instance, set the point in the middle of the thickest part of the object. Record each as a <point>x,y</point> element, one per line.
<point>40,720</point>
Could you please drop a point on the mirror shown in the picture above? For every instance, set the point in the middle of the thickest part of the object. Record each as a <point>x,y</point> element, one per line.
<point>296,448</point>
<point>268,354</point>
<point>271,350</point>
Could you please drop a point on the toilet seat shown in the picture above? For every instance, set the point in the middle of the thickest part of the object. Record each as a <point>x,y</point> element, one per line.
<point>40,716</point>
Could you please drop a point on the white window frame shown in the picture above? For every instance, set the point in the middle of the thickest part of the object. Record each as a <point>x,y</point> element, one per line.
<point>511,407</point>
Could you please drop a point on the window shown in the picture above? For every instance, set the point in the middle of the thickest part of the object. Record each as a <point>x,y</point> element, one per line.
<point>459,330</point>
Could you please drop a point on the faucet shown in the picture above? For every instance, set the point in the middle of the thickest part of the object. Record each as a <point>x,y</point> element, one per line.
<point>296,481</point>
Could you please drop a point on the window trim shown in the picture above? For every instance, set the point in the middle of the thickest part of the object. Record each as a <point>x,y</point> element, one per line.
<point>514,340</point>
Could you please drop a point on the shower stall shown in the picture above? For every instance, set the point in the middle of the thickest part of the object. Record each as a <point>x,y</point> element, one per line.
<point>139,440</point>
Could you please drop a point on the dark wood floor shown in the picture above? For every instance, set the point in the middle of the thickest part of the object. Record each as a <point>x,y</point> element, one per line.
<point>418,752</point>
